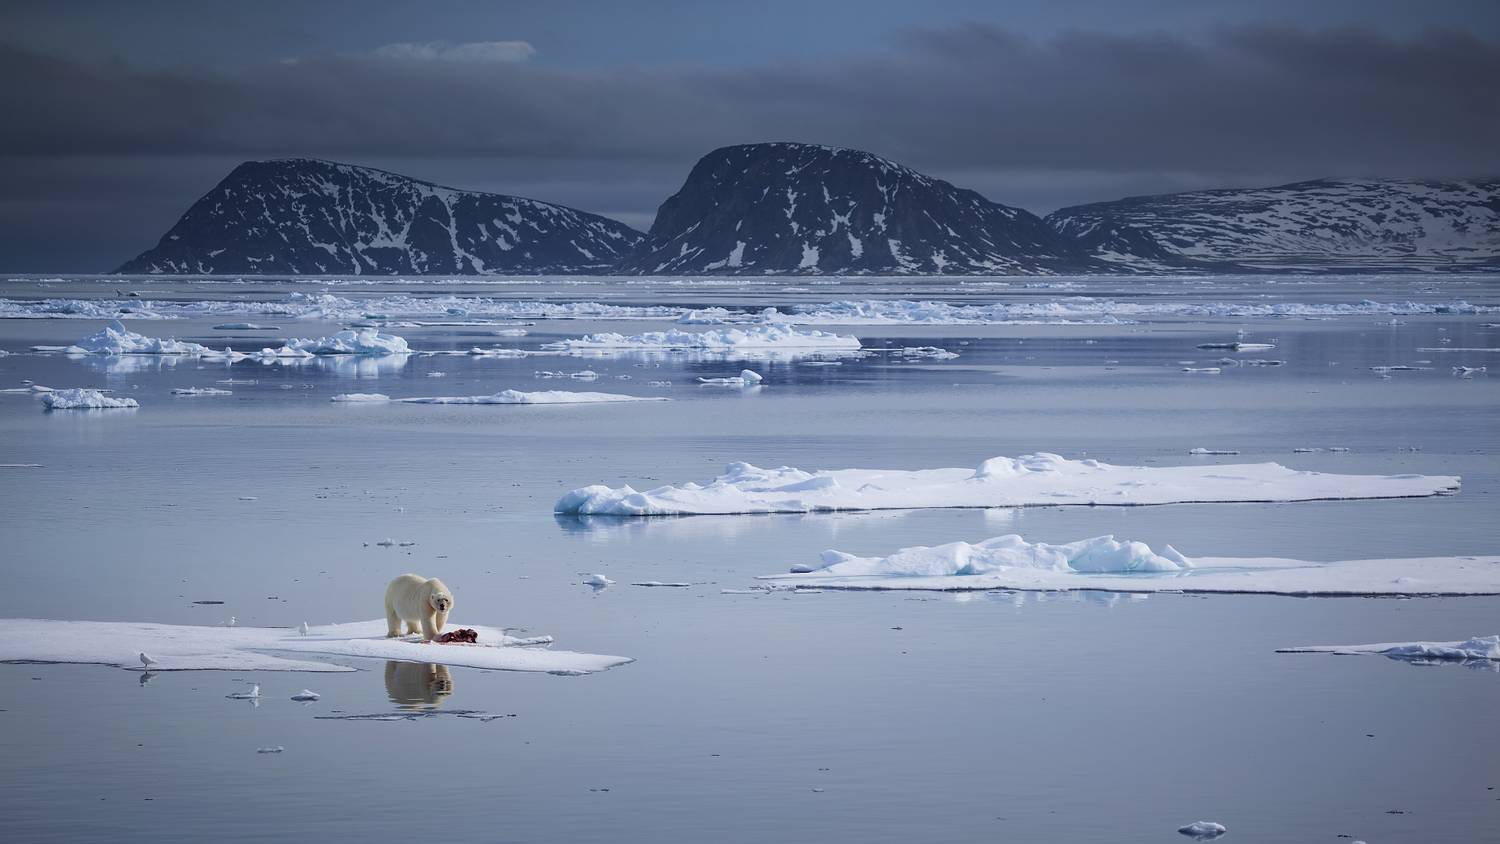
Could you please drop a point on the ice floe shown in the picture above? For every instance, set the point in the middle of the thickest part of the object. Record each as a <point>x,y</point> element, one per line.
<point>502,397</point>
<point>116,339</point>
<point>245,326</point>
<point>85,400</point>
<point>189,648</point>
<point>1477,648</point>
<point>200,391</point>
<point>1203,830</point>
<point>746,378</point>
<point>356,341</point>
<point>1030,480</point>
<point>1203,451</point>
<point>1106,564</point>
<point>772,338</point>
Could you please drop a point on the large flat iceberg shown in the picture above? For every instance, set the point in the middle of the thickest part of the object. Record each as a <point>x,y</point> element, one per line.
<point>1030,480</point>
<point>354,341</point>
<point>1106,564</point>
<point>175,647</point>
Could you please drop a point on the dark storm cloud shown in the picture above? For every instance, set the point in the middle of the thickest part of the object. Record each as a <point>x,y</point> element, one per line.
<point>1005,113</point>
<point>1247,99</point>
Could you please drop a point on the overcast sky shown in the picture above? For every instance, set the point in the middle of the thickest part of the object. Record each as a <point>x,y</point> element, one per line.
<point>115,116</point>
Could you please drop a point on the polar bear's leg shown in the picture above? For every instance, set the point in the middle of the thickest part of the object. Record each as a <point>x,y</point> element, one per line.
<point>392,621</point>
<point>429,630</point>
<point>411,627</point>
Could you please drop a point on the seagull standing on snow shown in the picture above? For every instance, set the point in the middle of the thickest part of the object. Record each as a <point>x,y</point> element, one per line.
<point>147,661</point>
<point>230,622</point>
<point>303,629</point>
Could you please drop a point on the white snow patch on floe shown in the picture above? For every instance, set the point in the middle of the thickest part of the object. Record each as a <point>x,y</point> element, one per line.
<point>1202,451</point>
<point>746,378</point>
<point>751,340</point>
<point>84,400</point>
<point>1030,480</point>
<point>189,648</point>
<point>200,391</point>
<point>1479,647</point>
<point>1108,565</point>
<point>502,397</point>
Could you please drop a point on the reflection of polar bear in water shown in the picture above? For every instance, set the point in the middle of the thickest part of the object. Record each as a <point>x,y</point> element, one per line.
<point>417,683</point>
<point>422,603</point>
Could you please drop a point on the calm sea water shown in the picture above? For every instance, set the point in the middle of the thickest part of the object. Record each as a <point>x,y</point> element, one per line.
<point>817,717</point>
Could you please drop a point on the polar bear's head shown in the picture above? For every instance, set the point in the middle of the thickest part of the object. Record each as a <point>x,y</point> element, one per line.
<point>441,600</point>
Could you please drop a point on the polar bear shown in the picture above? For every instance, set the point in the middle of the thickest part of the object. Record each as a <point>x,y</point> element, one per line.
<point>423,603</point>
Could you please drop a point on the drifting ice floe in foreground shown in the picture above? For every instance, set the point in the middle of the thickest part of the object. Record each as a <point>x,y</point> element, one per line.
<point>186,648</point>
<point>116,339</point>
<point>1110,565</point>
<point>84,400</point>
<point>1030,480</point>
<point>1479,647</point>
<point>770,339</point>
<point>502,397</point>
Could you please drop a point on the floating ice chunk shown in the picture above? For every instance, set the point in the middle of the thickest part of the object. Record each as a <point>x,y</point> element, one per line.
<point>187,648</point>
<point>746,378</point>
<point>1103,554</point>
<point>386,543</point>
<point>922,353</point>
<point>306,695</point>
<point>498,352</point>
<point>1468,371</point>
<point>200,391</point>
<point>1479,647</point>
<point>1239,347</point>
<point>361,398</point>
<point>1203,830</point>
<point>539,397</point>
<point>1033,479</point>
<point>510,332</point>
<point>245,326</point>
<point>1210,370</point>
<point>598,581</point>
<point>250,694</point>
<point>1202,450</point>
<point>116,339</point>
<point>360,341</point>
<point>1106,565</point>
<point>655,583</point>
<point>1400,367</point>
<point>29,388</point>
<point>753,339</point>
<point>277,749</point>
<point>84,400</point>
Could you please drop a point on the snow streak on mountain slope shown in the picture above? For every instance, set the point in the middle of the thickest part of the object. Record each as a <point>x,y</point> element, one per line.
<point>1319,226</point>
<point>801,208</point>
<point>304,216</point>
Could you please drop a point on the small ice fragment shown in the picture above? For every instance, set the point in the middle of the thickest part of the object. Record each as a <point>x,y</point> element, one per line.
<point>306,694</point>
<point>1201,450</point>
<point>1203,830</point>
<point>200,391</point>
<point>1211,370</point>
<point>250,694</point>
<point>249,498</point>
<point>361,397</point>
<point>386,543</point>
<point>659,583</point>
<point>277,749</point>
<point>598,581</point>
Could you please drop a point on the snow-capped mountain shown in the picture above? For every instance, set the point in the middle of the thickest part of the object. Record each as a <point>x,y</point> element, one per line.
<point>304,216</point>
<point>1318,226</point>
<point>802,208</point>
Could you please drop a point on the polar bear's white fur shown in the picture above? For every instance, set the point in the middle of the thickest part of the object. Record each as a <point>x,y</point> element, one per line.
<point>423,603</point>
